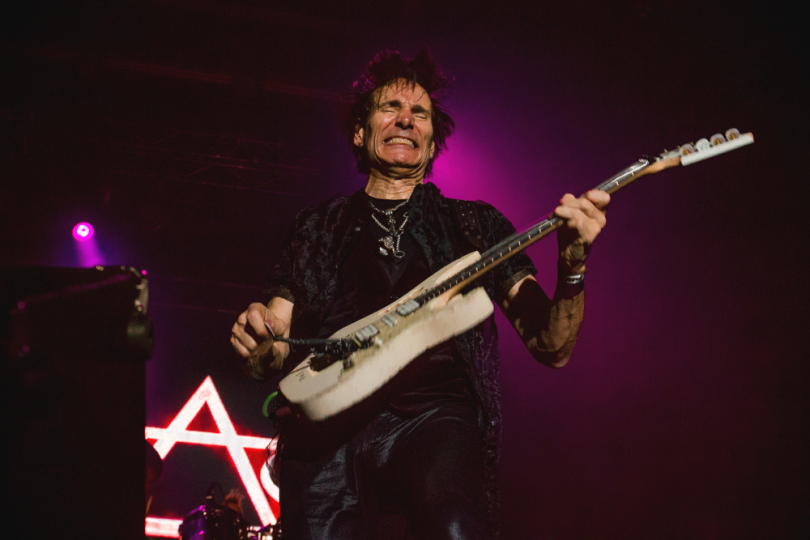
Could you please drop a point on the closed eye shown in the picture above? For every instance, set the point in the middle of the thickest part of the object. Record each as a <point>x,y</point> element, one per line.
<point>420,112</point>
<point>390,106</point>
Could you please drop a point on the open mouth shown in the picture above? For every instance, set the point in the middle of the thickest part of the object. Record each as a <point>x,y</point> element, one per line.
<point>400,140</point>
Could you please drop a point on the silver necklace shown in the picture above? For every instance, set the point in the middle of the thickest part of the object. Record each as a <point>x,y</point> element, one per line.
<point>391,241</point>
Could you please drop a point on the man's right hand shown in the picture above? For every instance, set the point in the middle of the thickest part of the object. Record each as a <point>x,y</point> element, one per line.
<point>251,339</point>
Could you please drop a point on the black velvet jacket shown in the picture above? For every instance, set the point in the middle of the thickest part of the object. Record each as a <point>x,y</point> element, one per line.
<point>306,273</point>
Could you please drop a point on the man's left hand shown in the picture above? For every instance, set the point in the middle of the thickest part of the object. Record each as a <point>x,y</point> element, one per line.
<point>584,220</point>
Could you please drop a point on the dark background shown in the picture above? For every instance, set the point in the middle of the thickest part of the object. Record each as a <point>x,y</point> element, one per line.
<point>191,132</point>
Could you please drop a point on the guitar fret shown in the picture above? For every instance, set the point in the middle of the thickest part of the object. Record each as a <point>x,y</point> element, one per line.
<point>496,254</point>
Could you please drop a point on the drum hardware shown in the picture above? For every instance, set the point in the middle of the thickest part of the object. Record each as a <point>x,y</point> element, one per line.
<point>268,532</point>
<point>212,521</point>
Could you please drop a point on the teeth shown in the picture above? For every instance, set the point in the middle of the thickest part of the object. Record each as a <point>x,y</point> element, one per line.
<point>401,140</point>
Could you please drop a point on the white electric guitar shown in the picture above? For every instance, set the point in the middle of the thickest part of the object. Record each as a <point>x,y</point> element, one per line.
<point>370,352</point>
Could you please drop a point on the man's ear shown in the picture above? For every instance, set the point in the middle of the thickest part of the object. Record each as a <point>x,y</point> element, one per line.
<point>432,149</point>
<point>358,136</point>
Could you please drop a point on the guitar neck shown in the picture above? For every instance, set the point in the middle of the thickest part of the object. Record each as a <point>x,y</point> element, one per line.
<point>520,241</point>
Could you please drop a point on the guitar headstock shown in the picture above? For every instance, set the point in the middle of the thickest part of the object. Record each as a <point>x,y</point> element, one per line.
<point>703,149</point>
<point>683,155</point>
<point>706,148</point>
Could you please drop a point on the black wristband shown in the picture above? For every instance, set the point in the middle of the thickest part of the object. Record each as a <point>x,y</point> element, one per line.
<point>570,286</point>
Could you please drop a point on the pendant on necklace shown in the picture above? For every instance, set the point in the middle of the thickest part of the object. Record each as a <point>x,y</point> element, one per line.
<point>387,242</point>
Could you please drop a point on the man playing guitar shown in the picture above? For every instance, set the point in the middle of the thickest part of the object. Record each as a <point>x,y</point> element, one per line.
<point>426,443</point>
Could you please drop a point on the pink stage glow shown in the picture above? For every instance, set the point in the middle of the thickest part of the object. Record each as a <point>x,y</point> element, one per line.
<point>83,231</point>
<point>260,490</point>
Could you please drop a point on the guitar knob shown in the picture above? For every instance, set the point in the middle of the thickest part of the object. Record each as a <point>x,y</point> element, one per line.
<point>732,134</point>
<point>703,144</point>
<point>716,139</point>
<point>686,149</point>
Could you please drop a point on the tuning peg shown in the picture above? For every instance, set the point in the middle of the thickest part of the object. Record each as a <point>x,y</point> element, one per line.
<point>717,138</point>
<point>702,145</point>
<point>686,149</point>
<point>732,134</point>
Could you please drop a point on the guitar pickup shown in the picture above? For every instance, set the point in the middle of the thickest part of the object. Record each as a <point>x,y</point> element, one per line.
<point>365,334</point>
<point>389,319</point>
<point>408,307</point>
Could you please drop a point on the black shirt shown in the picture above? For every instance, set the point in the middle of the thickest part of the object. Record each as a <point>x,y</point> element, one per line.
<point>372,277</point>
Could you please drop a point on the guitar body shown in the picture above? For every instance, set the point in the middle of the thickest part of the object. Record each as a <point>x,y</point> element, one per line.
<point>324,393</point>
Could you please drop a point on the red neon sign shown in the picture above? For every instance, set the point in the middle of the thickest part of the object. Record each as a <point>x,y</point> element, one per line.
<point>261,491</point>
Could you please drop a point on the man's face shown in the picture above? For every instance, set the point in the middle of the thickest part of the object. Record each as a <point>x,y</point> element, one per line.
<point>398,134</point>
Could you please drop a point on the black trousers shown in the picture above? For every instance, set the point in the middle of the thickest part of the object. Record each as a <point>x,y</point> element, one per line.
<point>337,477</point>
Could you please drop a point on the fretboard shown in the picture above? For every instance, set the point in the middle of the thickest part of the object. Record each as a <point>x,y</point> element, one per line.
<point>521,240</point>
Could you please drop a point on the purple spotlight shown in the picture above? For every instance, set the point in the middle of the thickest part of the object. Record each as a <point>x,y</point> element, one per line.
<point>83,231</point>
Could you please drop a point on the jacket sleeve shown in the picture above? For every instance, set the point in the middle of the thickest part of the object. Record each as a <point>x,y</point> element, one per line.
<point>279,281</point>
<point>495,228</point>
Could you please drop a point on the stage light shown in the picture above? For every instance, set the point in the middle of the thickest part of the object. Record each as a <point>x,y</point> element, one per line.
<point>88,252</point>
<point>83,231</point>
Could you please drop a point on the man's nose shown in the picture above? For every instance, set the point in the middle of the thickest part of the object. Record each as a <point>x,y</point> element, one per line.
<point>405,118</point>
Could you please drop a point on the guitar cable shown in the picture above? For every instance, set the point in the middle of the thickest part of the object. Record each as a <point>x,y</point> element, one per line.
<point>334,347</point>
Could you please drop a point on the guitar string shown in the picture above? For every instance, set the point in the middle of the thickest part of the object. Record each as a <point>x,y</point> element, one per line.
<point>542,229</point>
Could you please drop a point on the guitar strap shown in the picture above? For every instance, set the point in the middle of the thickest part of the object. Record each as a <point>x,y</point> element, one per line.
<point>465,214</point>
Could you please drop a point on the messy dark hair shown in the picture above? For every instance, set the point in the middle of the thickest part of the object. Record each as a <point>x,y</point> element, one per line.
<point>386,67</point>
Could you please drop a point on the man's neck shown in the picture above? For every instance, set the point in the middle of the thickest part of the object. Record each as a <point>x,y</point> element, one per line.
<point>383,187</point>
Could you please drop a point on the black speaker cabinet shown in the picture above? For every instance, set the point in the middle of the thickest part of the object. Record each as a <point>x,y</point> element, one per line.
<point>74,343</point>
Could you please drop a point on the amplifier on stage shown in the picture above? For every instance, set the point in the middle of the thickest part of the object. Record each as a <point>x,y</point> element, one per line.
<point>74,343</point>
